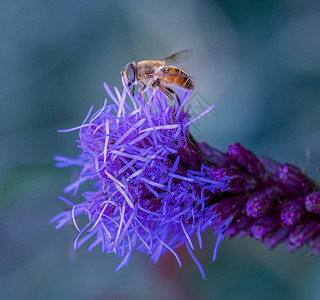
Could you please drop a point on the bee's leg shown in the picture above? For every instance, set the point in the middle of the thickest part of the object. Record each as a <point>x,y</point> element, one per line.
<point>133,89</point>
<point>167,91</point>
<point>142,89</point>
<point>173,92</point>
<point>178,100</point>
<point>152,98</point>
<point>155,86</point>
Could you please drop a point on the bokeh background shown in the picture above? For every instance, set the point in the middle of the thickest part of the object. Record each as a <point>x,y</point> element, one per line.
<point>258,61</point>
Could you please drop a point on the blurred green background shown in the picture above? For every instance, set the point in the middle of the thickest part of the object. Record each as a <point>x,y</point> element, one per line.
<point>258,61</point>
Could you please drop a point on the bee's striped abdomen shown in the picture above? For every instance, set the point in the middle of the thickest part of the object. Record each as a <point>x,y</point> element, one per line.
<point>175,76</point>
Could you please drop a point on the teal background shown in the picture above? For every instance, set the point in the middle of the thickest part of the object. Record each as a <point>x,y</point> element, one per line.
<point>258,61</point>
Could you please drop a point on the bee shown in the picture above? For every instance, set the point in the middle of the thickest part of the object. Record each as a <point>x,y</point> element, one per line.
<point>159,74</point>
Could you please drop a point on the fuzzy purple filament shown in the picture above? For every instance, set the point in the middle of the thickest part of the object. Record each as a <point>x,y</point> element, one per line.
<point>155,187</point>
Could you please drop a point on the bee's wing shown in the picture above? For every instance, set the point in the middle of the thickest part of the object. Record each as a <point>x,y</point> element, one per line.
<point>176,75</point>
<point>178,57</point>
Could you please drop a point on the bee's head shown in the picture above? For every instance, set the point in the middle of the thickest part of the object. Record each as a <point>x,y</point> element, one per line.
<point>129,73</point>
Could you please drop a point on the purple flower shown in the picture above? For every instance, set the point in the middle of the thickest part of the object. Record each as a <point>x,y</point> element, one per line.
<point>155,187</point>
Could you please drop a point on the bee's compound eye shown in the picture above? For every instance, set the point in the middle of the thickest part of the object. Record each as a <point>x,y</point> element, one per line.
<point>129,70</point>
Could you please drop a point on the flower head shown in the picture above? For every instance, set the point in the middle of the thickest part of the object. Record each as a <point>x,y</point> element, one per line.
<point>155,187</point>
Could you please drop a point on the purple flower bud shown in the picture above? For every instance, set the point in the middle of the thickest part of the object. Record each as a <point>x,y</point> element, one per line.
<point>301,235</point>
<point>294,179</point>
<point>315,245</point>
<point>246,159</point>
<point>265,225</point>
<point>190,154</point>
<point>274,238</point>
<point>235,181</point>
<point>229,207</point>
<point>214,156</point>
<point>239,227</point>
<point>293,213</point>
<point>312,202</point>
<point>270,165</point>
<point>262,201</point>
